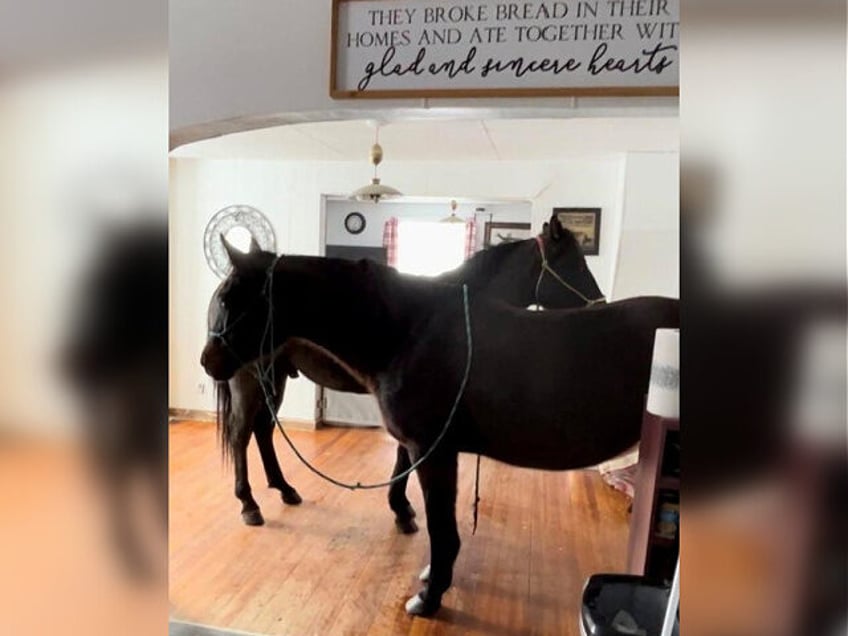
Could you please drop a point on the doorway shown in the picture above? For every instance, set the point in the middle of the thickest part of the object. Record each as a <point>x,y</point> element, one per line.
<point>424,246</point>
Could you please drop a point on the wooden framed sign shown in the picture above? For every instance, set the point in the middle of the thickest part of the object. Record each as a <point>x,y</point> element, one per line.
<point>493,48</point>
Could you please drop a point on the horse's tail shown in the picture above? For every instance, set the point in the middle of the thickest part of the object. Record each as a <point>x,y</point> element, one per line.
<point>224,418</point>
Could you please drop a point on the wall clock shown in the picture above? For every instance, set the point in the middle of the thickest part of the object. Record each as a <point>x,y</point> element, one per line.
<point>354,223</point>
<point>237,223</point>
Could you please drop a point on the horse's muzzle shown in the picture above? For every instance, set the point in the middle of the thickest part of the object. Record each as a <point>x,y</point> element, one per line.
<point>217,362</point>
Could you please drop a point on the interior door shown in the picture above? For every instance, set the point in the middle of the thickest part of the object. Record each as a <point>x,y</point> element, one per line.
<point>350,409</point>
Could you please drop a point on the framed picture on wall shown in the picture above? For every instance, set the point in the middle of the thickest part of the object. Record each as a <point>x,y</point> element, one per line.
<point>585,224</point>
<point>504,232</point>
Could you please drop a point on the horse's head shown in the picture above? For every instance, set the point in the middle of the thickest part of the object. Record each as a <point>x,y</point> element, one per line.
<point>568,283</point>
<point>238,313</point>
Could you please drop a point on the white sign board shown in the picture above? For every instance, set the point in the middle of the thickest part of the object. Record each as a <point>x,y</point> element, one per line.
<point>442,48</point>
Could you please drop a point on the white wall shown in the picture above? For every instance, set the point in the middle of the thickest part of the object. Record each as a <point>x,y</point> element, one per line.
<point>649,251</point>
<point>244,62</point>
<point>290,195</point>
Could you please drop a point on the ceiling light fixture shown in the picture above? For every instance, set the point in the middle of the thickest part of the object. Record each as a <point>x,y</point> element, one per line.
<point>375,191</point>
<point>453,218</point>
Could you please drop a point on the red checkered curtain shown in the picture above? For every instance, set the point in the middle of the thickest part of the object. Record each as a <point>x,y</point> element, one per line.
<point>390,241</point>
<point>470,237</point>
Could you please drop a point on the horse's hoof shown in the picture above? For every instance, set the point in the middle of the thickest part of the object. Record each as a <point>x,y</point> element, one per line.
<point>406,526</point>
<point>417,606</point>
<point>252,518</point>
<point>425,574</point>
<point>291,497</point>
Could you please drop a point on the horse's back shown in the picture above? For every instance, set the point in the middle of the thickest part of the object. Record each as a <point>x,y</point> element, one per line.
<point>563,389</point>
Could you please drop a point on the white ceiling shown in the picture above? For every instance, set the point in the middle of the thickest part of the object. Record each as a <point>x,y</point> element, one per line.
<point>434,140</point>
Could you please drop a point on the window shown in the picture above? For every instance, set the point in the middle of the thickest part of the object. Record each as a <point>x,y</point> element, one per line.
<point>428,247</point>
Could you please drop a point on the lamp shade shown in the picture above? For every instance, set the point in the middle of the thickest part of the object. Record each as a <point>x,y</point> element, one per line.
<point>453,218</point>
<point>374,191</point>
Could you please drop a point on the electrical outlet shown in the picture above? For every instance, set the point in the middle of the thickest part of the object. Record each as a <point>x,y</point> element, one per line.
<point>201,388</point>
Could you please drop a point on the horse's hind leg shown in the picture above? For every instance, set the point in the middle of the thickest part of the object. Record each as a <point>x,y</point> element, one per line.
<point>404,512</point>
<point>250,512</point>
<point>264,433</point>
<point>438,481</point>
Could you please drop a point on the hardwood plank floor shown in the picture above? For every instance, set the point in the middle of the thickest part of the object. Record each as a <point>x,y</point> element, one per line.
<point>61,568</point>
<point>336,564</point>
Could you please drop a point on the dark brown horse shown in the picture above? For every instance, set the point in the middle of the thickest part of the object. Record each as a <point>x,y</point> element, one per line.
<point>549,271</point>
<point>553,390</point>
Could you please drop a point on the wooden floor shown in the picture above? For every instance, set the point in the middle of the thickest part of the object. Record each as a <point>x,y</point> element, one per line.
<point>336,565</point>
<point>61,570</point>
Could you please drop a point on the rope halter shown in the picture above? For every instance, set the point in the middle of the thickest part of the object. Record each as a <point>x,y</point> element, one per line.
<point>547,268</point>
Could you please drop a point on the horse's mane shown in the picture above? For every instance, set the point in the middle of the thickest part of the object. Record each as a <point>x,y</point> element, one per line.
<point>335,268</point>
<point>385,285</point>
<point>482,265</point>
<point>363,275</point>
<point>343,269</point>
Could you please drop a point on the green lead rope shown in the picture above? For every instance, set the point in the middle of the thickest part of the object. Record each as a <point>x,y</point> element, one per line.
<point>269,403</point>
<point>476,495</point>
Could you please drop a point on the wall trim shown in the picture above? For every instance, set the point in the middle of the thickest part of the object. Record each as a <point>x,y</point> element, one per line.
<point>200,415</point>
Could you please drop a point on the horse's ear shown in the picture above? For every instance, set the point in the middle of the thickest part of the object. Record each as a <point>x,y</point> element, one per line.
<point>254,245</point>
<point>237,257</point>
<point>555,228</point>
<point>545,227</point>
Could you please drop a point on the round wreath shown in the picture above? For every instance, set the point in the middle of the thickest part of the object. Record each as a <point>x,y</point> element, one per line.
<point>225,220</point>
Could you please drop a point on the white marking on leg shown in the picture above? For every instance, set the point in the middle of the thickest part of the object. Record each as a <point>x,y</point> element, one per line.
<point>415,605</point>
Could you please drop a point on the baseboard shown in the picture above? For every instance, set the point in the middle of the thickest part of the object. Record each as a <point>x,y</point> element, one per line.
<point>200,415</point>
<point>195,415</point>
<point>340,424</point>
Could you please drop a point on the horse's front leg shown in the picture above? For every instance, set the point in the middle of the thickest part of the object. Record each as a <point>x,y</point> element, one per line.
<point>250,512</point>
<point>438,481</point>
<point>404,512</point>
<point>263,431</point>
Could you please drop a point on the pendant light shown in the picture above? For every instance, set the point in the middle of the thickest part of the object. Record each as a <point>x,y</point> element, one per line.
<point>453,218</point>
<point>375,191</point>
